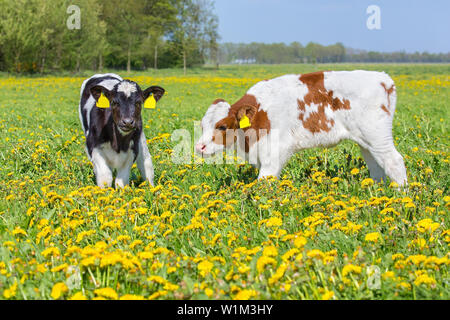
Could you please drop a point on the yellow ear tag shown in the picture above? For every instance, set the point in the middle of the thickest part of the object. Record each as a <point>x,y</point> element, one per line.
<point>103,102</point>
<point>244,123</point>
<point>150,102</point>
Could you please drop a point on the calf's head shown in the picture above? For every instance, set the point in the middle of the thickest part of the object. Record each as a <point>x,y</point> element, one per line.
<point>125,101</point>
<point>221,124</point>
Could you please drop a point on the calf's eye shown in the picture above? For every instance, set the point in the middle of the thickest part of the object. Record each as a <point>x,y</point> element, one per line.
<point>222,128</point>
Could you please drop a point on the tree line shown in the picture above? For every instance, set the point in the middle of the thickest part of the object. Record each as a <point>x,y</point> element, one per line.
<point>295,52</point>
<point>36,35</point>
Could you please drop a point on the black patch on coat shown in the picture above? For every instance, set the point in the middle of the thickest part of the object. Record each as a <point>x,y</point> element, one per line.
<point>87,93</point>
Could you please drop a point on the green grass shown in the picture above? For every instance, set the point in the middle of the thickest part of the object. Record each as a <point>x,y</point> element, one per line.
<point>212,231</point>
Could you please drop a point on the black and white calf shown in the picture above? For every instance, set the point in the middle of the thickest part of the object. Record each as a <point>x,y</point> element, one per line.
<point>110,114</point>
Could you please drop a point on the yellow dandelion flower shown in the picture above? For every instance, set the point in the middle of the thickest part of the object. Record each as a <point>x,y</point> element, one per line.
<point>108,293</point>
<point>410,205</point>
<point>263,261</point>
<point>58,290</point>
<point>406,200</point>
<point>78,296</point>
<point>244,269</point>
<point>425,225</point>
<point>367,183</point>
<point>157,279</point>
<point>424,279</point>
<point>397,256</point>
<point>205,267</point>
<point>393,185</point>
<point>404,285</point>
<point>327,295</point>
<point>274,222</point>
<point>52,251</point>
<point>135,243</point>
<point>90,261</point>
<point>11,291</point>
<point>170,286</point>
<point>270,251</point>
<point>19,231</point>
<point>209,292</point>
<point>245,294</point>
<point>372,237</point>
<point>278,274</point>
<point>316,254</point>
<point>417,259</point>
<point>63,266</point>
<point>158,294</point>
<point>420,242</point>
<point>300,241</point>
<point>350,268</point>
<point>131,297</point>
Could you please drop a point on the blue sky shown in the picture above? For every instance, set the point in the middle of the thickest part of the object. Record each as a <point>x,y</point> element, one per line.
<point>414,25</point>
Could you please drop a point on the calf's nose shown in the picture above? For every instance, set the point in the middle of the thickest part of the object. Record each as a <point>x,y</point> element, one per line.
<point>200,147</point>
<point>128,122</point>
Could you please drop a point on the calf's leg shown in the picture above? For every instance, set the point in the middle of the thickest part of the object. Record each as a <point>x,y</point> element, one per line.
<point>378,149</point>
<point>272,159</point>
<point>144,160</point>
<point>392,163</point>
<point>383,158</point>
<point>103,173</point>
<point>376,172</point>
<point>123,173</point>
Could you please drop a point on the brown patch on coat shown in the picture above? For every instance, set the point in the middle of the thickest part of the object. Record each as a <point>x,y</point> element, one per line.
<point>318,95</point>
<point>220,136</point>
<point>388,92</point>
<point>383,107</point>
<point>247,105</point>
<point>317,121</point>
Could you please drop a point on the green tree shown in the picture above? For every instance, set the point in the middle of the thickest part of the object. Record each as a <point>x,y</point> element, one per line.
<point>211,35</point>
<point>124,28</point>
<point>20,33</point>
<point>84,47</point>
<point>34,35</point>
<point>193,33</point>
<point>160,18</point>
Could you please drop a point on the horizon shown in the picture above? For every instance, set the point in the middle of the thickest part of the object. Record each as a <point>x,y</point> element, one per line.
<point>400,28</point>
<point>346,47</point>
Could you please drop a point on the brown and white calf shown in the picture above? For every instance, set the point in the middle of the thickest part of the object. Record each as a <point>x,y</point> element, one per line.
<point>110,114</point>
<point>320,109</point>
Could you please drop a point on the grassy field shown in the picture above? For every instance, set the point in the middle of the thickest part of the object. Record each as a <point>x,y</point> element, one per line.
<point>322,231</point>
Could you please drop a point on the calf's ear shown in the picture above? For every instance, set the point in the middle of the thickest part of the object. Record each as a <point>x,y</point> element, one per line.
<point>102,96</point>
<point>151,95</point>
<point>245,115</point>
